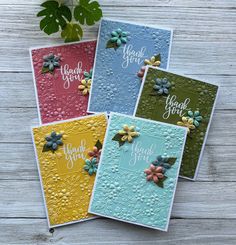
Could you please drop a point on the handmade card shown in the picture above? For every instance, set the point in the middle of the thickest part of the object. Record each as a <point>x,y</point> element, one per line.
<point>123,51</point>
<point>138,171</point>
<point>67,155</point>
<point>62,77</point>
<point>179,100</point>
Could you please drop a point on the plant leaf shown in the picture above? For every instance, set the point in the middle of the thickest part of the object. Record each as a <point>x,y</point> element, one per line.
<point>118,137</point>
<point>160,183</point>
<point>55,16</point>
<point>72,32</point>
<point>89,12</point>
<point>172,160</point>
<point>99,145</point>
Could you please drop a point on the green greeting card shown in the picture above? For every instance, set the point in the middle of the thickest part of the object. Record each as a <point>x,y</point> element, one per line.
<point>183,101</point>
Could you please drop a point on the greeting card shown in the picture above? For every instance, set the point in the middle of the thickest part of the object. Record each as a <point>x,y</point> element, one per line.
<point>123,51</point>
<point>68,154</point>
<point>138,171</point>
<point>179,100</point>
<point>62,77</point>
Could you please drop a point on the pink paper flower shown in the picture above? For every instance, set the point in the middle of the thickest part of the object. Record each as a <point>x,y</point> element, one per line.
<point>95,153</point>
<point>154,173</point>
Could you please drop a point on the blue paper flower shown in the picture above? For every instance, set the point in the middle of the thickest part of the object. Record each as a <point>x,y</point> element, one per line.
<point>162,162</point>
<point>197,118</point>
<point>91,165</point>
<point>51,61</point>
<point>162,86</point>
<point>119,37</point>
<point>53,141</point>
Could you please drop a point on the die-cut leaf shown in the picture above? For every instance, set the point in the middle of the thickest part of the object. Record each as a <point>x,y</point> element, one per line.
<point>45,148</point>
<point>56,16</point>
<point>118,137</point>
<point>111,44</point>
<point>72,32</point>
<point>158,57</point>
<point>160,183</point>
<point>172,160</point>
<point>87,12</point>
<point>98,145</point>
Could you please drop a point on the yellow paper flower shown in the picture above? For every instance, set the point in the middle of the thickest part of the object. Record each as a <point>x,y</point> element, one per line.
<point>152,61</point>
<point>188,123</point>
<point>128,133</point>
<point>85,86</point>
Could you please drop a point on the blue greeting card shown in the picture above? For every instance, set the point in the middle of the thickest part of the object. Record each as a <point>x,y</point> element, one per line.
<point>123,51</point>
<point>138,171</point>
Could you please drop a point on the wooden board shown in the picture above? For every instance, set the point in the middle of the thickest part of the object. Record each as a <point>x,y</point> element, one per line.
<point>204,46</point>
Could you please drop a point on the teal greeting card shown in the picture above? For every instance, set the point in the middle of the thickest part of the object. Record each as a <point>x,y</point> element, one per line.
<point>138,171</point>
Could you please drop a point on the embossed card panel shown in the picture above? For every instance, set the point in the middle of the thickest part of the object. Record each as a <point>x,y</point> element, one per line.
<point>179,100</point>
<point>62,76</point>
<point>67,155</point>
<point>138,171</point>
<point>123,50</point>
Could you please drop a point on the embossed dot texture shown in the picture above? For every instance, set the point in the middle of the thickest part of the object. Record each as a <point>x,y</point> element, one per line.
<point>66,185</point>
<point>122,191</point>
<point>201,96</point>
<point>58,95</point>
<point>116,84</point>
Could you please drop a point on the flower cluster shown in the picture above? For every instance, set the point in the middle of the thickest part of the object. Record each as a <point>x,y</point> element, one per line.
<point>51,61</point>
<point>53,141</point>
<point>162,86</point>
<point>91,164</point>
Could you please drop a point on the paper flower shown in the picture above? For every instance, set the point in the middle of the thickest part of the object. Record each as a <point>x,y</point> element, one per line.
<point>162,161</point>
<point>53,141</point>
<point>141,72</point>
<point>119,37</point>
<point>162,86</point>
<point>153,61</point>
<point>88,75</point>
<point>51,61</point>
<point>197,118</point>
<point>91,166</point>
<point>85,85</point>
<point>154,173</point>
<point>95,153</point>
<point>128,133</point>
<point>188,123</point>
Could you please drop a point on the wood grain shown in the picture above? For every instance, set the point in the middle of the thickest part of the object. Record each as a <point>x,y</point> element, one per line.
<point>204,46</point>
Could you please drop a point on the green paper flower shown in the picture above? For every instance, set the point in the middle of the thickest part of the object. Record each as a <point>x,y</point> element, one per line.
<point>51,61</point>
<point>53,141</point>
<point>88,75</point>
<point>91,165</point>
<point>162,86</point>
<point>197,118</point>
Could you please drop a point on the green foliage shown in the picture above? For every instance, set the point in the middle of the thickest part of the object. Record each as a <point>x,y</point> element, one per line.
<point>58,17</point>
<point>117,138</point>
<point>72,32</point>
<point>98,145</point>
<point>87,12</point>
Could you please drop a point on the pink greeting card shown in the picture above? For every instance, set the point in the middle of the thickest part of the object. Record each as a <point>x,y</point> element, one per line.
<point>62,76</point>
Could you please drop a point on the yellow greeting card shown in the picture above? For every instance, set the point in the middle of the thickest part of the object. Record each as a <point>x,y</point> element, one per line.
<point>68,154</point>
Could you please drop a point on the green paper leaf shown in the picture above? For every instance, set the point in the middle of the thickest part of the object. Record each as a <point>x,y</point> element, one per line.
<point>172,160</point>
<point>89,12</point>
<point>111,44</point>
<point>72,32</point>
<point>45,148</point>
<point>118,137</point>
<point>46,70</point>
<point>160,183</point>
<point>158,57</point>
<point>99,145</point>
<point>56,16</point>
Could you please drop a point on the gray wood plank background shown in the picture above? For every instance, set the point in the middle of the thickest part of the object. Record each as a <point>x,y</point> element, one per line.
<point>204,46</point>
